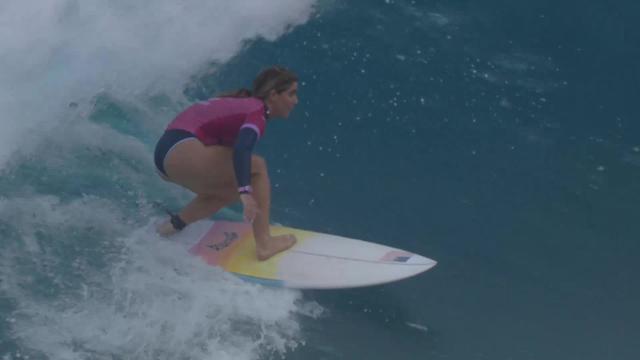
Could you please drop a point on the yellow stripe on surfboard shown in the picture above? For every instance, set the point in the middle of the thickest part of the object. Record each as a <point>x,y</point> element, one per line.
<point>243,259</point>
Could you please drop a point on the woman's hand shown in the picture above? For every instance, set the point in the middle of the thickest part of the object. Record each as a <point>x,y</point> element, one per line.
<point>250,206</point>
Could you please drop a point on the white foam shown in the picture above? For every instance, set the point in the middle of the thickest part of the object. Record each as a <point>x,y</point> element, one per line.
<point>53,52</point>
<point>148,299</point>
<point>155,302</point>
<point>417,326</point>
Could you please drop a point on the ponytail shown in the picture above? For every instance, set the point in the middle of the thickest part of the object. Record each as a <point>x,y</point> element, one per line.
<point>273,78</point>
<point>239,93</point>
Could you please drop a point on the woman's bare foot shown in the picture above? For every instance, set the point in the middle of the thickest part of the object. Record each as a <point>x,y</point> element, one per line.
<point>166,229</point>
<point>274,245</point>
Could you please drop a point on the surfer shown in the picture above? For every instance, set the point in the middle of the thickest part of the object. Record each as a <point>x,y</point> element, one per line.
<point>208,149</point>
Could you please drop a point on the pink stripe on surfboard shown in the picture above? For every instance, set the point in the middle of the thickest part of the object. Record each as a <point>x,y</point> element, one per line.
<point>396,255</point>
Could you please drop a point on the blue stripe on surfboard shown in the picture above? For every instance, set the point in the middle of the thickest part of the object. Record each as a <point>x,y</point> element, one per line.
<point>261,281</point>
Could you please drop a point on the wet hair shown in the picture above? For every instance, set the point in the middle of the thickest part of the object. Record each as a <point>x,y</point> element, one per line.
<point>273,78</point>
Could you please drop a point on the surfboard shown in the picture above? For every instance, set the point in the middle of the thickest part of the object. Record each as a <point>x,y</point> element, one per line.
<point>316,261</point>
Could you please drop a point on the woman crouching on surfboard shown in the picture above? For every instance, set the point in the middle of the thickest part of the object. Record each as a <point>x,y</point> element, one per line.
<point>208,149</point>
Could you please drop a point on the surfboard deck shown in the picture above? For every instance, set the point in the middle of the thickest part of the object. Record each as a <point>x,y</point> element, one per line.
<point>316,261</point>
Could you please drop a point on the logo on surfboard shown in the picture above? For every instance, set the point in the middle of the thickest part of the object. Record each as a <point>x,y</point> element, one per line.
<point>229,237</point>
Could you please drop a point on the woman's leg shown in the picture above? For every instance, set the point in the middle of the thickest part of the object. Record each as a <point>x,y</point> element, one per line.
<point>201,207</point>
<point>187,164</point>
<point>208,172</point>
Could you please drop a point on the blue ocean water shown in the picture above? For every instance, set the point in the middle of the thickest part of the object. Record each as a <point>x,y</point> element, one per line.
<point>496,137</point>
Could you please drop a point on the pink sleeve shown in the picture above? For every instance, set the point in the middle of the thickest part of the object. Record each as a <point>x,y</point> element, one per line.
<point>255,120</point>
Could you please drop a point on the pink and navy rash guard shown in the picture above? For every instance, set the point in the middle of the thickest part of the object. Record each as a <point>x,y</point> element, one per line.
<point>227,121</point>
<point>218,121</point>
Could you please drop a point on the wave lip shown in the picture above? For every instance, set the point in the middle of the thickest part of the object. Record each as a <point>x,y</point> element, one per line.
<point>59,51</point>
<point>112,291</point>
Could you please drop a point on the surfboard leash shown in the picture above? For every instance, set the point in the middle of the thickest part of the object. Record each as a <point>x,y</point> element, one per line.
<point>175,219</point>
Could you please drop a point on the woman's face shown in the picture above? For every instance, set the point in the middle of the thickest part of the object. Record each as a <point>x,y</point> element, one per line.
<point>281,104</point>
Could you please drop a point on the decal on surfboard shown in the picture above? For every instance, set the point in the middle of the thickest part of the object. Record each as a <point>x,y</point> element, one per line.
<point>229,237</point>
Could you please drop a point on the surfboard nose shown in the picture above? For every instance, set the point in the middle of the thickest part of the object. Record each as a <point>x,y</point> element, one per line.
<point>416,259</point>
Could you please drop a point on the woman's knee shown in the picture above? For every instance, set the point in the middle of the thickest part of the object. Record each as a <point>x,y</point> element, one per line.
<point>258,165</point>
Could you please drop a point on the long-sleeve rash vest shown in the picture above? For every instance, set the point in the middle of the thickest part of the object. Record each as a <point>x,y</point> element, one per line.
<point>227,121</point>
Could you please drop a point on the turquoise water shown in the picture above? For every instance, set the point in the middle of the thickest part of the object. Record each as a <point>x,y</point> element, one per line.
<point>495,137</point>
